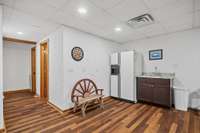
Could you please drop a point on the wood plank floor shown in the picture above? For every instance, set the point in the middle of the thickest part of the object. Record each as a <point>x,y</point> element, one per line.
<point>24,113</point>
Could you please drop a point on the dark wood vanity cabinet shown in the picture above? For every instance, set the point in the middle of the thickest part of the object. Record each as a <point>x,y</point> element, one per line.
<point>154,90</point>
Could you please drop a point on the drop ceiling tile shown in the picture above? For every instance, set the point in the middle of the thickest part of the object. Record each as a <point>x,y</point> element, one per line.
<point>29,31</point>
<point>73,6</point>
<point>127,34</point>
<point>105,32</point>
<point>123,38</point>
<point>106,4</point>
<point>135,36</point>
<point>128,9</point>
<point>11,29</point>
<point>40,24</point>
<point>37,8</point>
<point>18,16</point>
<point>101,19</point>
<point>152,30</point>
<point>76,22</point>
<point>180,23</point>
<point>171,12</point>
<point>125,29</point>
<point>67,19</point>
<point>179,28</point>
<point>57,3</point>
<point>154,4</point>
<point>19,21</point>
<point>95,15</point>
<point>59,17</point>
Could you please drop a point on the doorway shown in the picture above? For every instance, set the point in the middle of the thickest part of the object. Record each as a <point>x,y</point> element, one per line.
<point>33,69</point>
<point>44,70</point>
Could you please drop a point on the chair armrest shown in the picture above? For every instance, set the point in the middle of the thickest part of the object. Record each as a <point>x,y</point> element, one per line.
<point>77,98</point>
<point>100,90</point>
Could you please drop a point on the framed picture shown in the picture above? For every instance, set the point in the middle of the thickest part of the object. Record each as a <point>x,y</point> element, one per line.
<point>77,53</point>
<point>156,54</point>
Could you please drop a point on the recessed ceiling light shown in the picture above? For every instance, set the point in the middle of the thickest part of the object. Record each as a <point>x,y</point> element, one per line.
<point>20,33</point>
<point>118,29</point>
<point>82,10</point>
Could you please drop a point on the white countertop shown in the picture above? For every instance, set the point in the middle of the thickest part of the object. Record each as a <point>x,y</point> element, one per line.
<point>158,75</point>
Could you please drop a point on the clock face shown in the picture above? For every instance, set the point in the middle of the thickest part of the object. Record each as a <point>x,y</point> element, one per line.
<point>77,53</point>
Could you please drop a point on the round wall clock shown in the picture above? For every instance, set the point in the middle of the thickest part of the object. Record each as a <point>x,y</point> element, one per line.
<point>77,53</point>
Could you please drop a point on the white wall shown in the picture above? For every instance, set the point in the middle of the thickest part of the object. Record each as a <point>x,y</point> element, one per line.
<point>56,88</point>
<point>64,71</point>
<point>17,66</point>
<point>95,64</point>
<point>1,72</point>
<point>181,55</point>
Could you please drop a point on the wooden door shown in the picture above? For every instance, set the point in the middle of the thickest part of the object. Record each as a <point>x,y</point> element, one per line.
<point>33,69</point>
<point>44,76</point>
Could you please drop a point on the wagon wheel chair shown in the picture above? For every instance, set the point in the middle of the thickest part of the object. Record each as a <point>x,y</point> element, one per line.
<point>84,93</point>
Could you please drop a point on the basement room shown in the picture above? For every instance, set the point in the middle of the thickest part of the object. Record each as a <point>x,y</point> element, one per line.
<point>99,66</point>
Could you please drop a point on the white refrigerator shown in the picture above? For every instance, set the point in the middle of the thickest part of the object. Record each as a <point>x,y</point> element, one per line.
<point>125,66</point>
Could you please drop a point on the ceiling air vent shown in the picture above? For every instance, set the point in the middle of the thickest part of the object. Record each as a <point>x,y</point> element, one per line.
<point>140,21</point>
